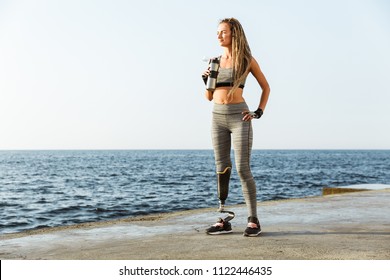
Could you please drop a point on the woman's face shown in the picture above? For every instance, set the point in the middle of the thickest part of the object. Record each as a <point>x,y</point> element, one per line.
<point>224,35</point>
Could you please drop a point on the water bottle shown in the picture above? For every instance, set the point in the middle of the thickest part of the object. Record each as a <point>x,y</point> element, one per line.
<point>212,79</point>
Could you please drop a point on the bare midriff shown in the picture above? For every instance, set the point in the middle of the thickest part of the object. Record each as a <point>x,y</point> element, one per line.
<point>220,96</point>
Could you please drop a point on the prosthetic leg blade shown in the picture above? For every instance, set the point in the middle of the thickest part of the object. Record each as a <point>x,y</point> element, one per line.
<point>223,225</point>
<point>230,215</point>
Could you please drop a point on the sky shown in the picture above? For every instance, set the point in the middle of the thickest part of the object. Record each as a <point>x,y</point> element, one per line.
<point>127,74</point>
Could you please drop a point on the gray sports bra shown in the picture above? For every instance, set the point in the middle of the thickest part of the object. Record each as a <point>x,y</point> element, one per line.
<point>225,78</point>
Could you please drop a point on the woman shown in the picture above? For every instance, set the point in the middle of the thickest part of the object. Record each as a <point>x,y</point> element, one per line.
<point>231,117</point>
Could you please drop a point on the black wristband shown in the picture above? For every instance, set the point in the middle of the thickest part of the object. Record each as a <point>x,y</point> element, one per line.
<point>259,113</point>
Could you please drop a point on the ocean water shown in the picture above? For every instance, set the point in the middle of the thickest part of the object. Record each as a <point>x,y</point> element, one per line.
<point>53,188</point>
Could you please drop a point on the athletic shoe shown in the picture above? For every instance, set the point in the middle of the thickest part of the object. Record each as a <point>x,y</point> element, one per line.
<point>220,227</point>
<point>253,228</point>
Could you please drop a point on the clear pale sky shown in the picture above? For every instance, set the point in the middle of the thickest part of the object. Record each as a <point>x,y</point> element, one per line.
<point>126,74</point>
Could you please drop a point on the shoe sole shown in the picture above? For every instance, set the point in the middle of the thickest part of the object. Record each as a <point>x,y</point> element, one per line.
<point>219,232</point>
<point>252,235</point>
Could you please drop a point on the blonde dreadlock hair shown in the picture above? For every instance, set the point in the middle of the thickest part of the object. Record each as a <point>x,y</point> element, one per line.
<point>241,53</point>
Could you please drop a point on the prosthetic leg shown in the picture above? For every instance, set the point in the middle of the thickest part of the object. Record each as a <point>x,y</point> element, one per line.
<point>223,191</point>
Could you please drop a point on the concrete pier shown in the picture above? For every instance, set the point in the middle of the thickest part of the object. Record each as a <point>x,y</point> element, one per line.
<point>353,225</point>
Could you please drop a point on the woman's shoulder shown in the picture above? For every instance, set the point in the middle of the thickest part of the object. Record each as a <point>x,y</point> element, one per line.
<point>254,62</point>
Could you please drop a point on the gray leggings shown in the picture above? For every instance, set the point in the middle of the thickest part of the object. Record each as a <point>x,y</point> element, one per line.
<point>227,122</point>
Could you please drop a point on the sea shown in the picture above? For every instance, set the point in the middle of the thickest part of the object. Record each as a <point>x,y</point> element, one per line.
<point>40,189</point>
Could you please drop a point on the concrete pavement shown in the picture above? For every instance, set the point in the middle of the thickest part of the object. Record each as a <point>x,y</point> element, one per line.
<point>354,225</point>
